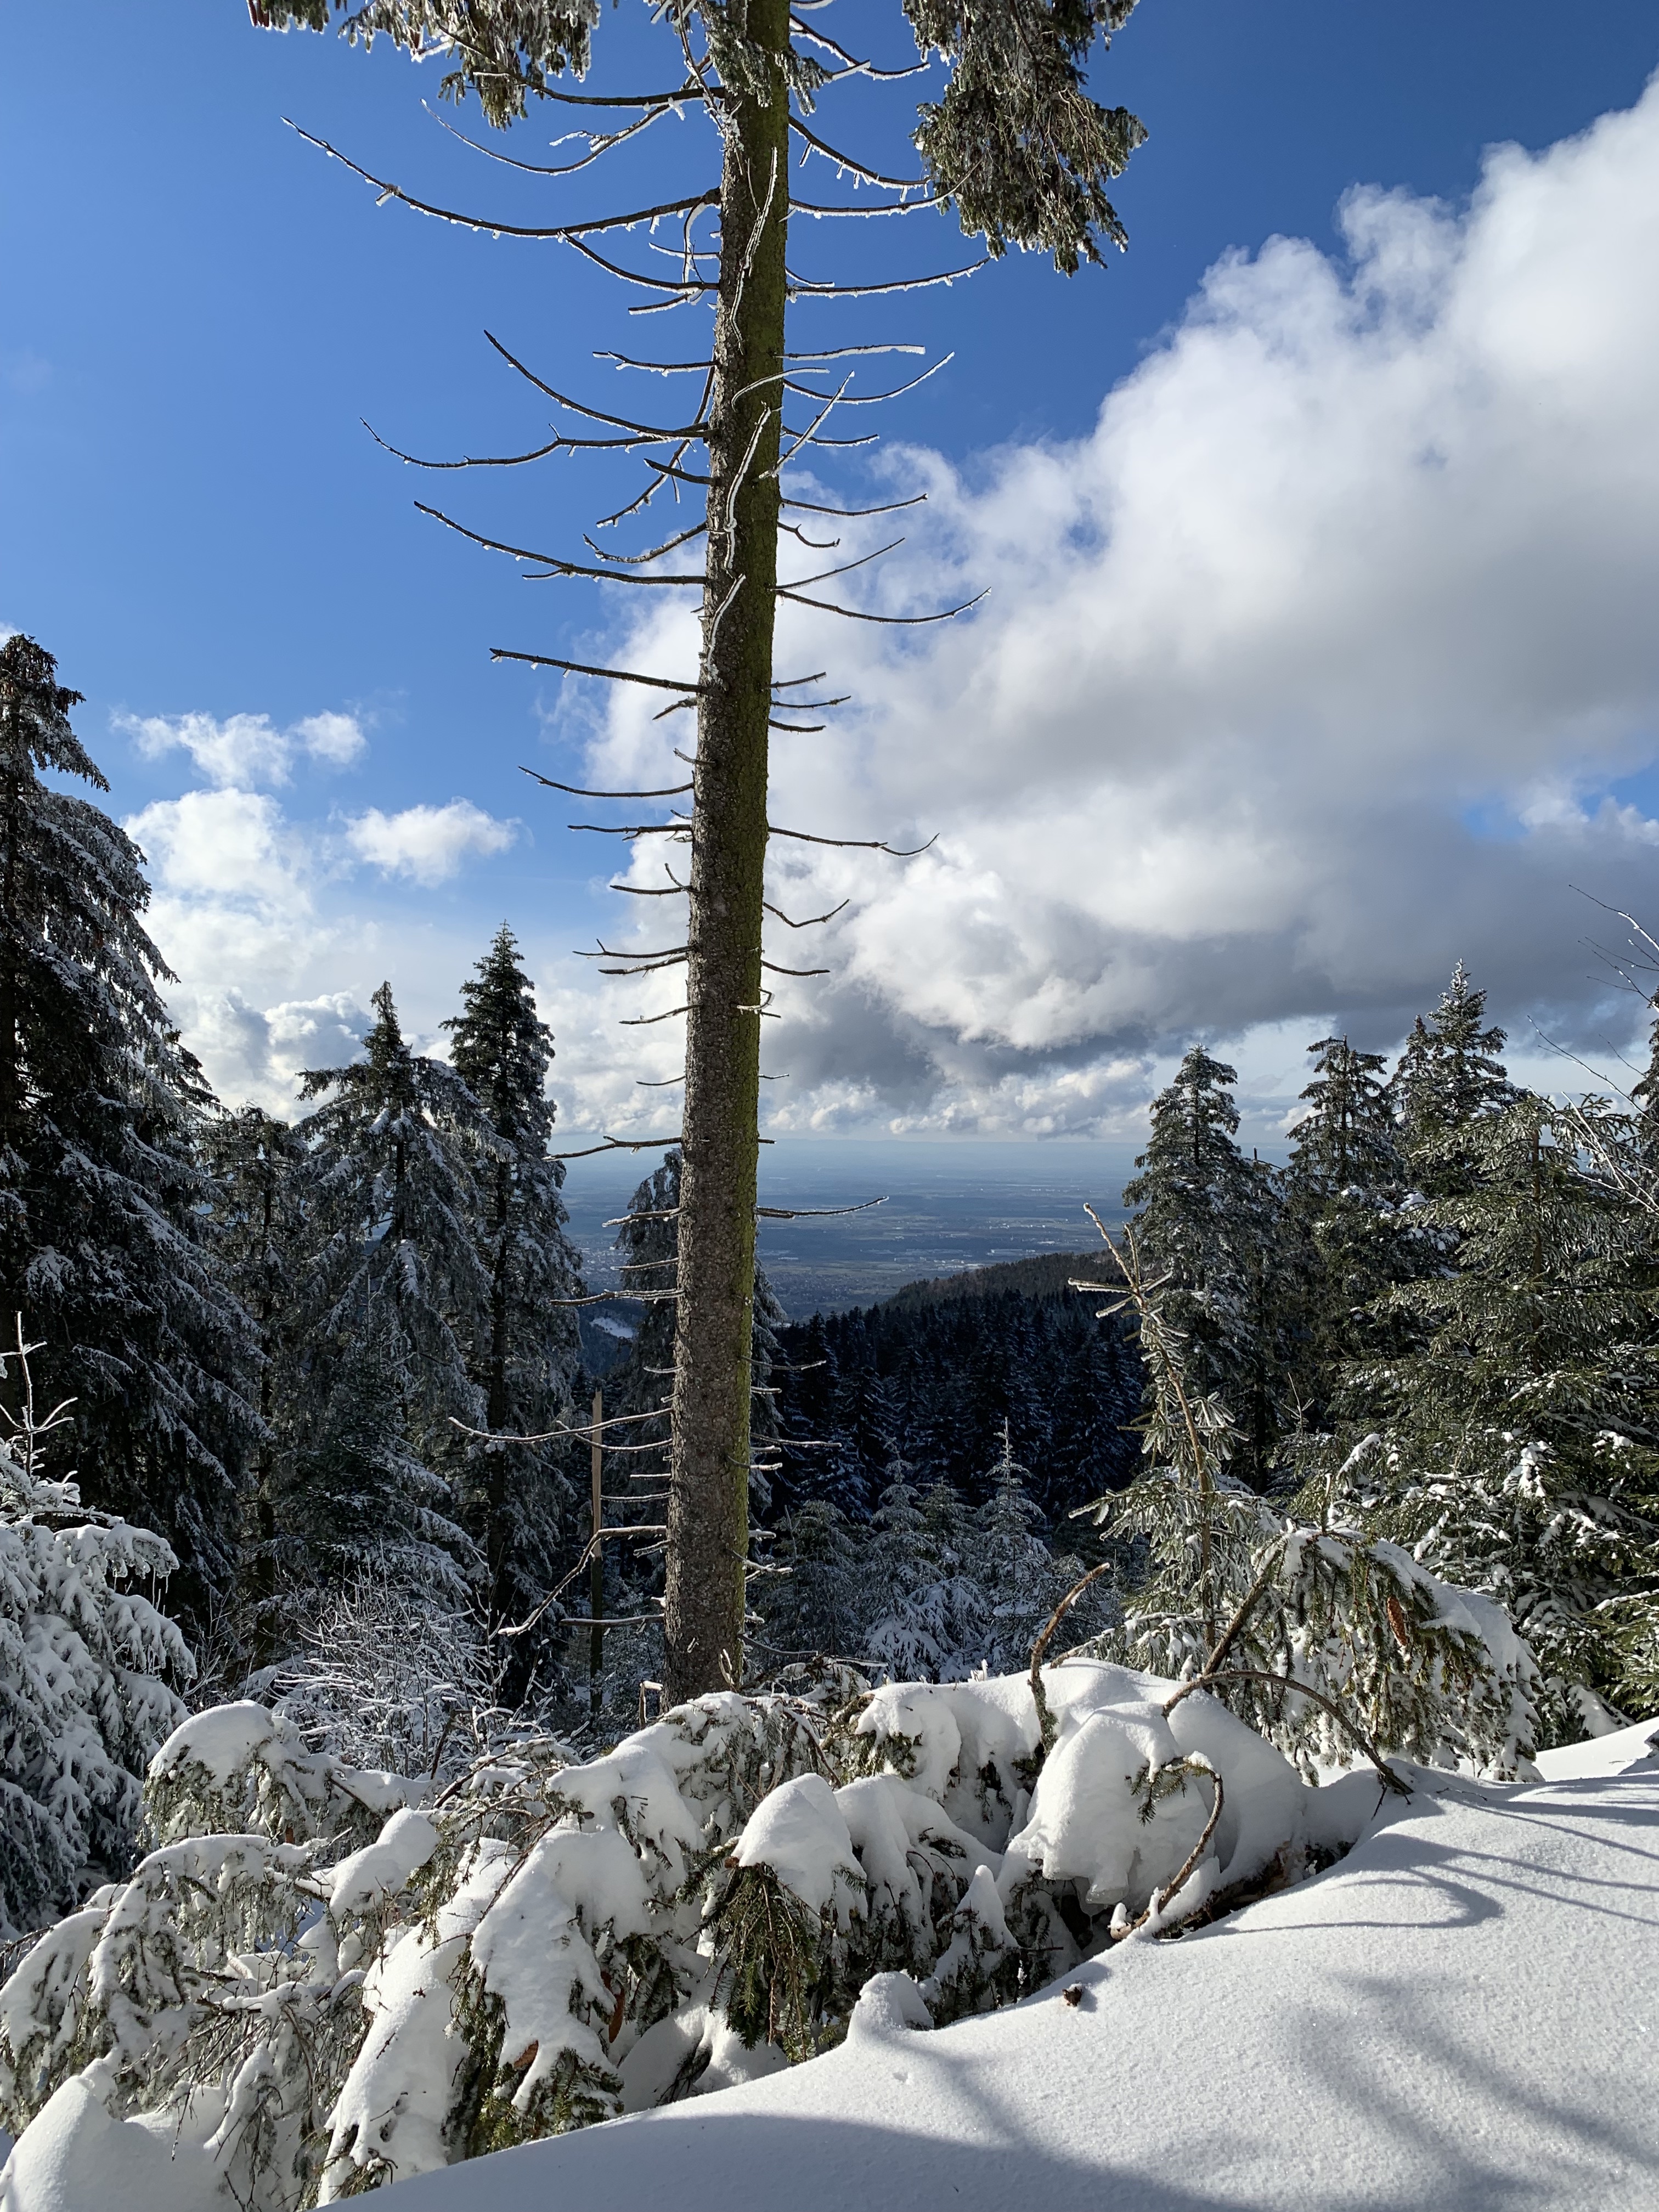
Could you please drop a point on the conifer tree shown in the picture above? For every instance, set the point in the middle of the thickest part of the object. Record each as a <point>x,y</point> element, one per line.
<point>817,1603</point>
<point>102,1194</point>
<point>89,1671</point>
<point>1449,1072</point>
<point>361,1505</point>
<point>1209,1219</point>
<point>1345,1231</point>
<point>527,1363</point>
<point>396,1290</point>
<point>250,1159</point>
<point>1516,1452</point>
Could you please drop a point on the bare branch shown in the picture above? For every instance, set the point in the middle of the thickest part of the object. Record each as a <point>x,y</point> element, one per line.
<point>693,90</point>
<point>656,553</point>
<point>841,353</point>
<point>669,791</point>
<point>476,460</point>
<point>869,214</point>
<point>657,367</point>
<point>809,921</point>
<point>896,622</point>
<point>814,1212</point>
<point>555,565</point>
<point>857,169</point>
<point>853,844</point>
<point>594,414</point>
<point>587,668</point>
<point>620,1145</point>
<point>845,568</point>
<point>875,399</point>
<point>599,143</point>
<point>569,234</point>
<point>799,287</point>
<point>891,507</point>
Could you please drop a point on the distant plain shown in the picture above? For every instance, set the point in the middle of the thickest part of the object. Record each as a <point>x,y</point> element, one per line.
<point>948,1205</point>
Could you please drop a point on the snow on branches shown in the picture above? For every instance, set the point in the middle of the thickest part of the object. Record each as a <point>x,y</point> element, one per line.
<point>309,2003</point>
<point>89,1667</point>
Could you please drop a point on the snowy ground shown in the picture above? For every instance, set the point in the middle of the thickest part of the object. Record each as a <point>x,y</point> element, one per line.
<point>1464,2014</point>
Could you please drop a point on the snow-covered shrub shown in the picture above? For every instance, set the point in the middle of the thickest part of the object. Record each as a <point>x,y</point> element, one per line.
<point>548,1944</point>
<point>219,1983</point>
<point>243,1768</point>
<point>89,1669</point>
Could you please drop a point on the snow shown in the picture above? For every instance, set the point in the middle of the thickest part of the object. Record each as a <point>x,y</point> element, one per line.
<point>78,2159</point>
<point>800,1832</point>
<point>221,1742</point>
<point>368,1877</point>
<point>1461,2016</point>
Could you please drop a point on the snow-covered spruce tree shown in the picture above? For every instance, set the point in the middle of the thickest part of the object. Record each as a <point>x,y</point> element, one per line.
<point>817,1605</point>
<point>396,1293</point>
<point>1449,1075</point>
<point>1347,1224</point>
<point>1021,1578</point>
<point>1517,1451</point>
<point>926,1614</point>
<point>89,1671</point>
<point>1334,1643</point>
<point>255,1233</point>
<point>101,1192</point>
<point>527,1362</point>
<point>361,1500</point>
<point>1209,1219</point>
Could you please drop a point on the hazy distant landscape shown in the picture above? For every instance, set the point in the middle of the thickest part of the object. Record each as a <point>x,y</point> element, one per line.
<point>948,1205</point>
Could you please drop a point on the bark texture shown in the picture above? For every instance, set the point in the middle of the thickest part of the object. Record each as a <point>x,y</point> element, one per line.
<point>709,1497</point>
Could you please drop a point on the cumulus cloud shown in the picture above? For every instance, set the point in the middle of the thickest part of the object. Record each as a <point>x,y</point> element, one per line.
<point>246,750</point>
<point>428,843</point>
<point>1327,658</point>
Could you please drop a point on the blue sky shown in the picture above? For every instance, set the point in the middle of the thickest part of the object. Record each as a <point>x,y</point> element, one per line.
<point>199,309</point>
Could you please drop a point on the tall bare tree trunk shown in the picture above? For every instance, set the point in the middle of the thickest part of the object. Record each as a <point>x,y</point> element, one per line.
<point>709,1499</point>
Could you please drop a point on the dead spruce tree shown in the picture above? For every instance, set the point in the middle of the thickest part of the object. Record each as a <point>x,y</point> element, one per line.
<point>1016,147</point>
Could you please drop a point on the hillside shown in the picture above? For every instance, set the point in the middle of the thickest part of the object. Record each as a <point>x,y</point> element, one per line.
<point>1041,1275</point>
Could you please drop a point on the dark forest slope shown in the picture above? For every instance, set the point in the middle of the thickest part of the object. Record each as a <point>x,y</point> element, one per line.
<point>930,1376</point>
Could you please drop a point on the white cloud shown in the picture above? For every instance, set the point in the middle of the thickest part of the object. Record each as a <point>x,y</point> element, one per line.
<point>428,843</point>
<point>1313,667</point>
<point>234,844</point>
<point>336,739</point>
<point>245,750</point>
